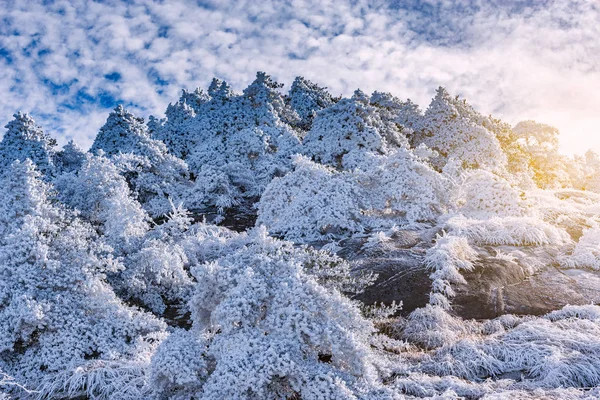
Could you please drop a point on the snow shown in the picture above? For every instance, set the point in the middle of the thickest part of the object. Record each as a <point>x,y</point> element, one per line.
<point>114,286</point>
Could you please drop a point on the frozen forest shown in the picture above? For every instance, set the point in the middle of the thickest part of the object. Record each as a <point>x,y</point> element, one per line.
<point>293,245</point>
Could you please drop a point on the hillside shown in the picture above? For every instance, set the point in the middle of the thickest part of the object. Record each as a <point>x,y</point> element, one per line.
<point>299,245</point>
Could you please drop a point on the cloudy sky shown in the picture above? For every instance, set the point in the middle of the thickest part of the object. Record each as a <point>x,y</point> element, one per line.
<point>69,62</point>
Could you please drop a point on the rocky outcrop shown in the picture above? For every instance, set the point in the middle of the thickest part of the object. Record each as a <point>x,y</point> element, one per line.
<point>521,280</point>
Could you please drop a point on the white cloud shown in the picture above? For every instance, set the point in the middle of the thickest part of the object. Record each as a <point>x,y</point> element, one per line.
<point>515,59</point>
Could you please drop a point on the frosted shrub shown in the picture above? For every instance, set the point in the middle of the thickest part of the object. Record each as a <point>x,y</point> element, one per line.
<point>548,352</point>
<point>400,189</point>
<point>268,330</point>
<point>350,125</point>
<point>247,138</point>
<point>586,253</point>
<point>58,313</point>
<point>433,326</point>
<point>316,201</point>
<point>512,231</point>
<point>69,159</point>
<point>312,202</point>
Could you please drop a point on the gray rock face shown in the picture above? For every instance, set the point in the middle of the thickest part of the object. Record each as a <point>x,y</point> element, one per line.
<point>402,276</point>
<point>525,282</point>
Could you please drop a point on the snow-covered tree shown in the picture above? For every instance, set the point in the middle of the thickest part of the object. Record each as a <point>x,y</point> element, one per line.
<point>154,175</point>
<point>404,113</point>
<point>60,321</point>
<point>313,202</point>
<point>540,143</point>
<point>24,139</point>
<point>316,202</point>
<point>102,197</point>
<point>156,275</point>
<point>69,158</point>
<point>244,137</point>
<point>454,129</point>
<point>307,98</point>
<point>350,126</point>
<point>264,328</point>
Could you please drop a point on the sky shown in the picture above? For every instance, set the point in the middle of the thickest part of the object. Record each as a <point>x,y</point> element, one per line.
<point>69,62</point>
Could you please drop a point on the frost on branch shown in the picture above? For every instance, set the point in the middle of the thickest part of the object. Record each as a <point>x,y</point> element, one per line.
<point>58,313</point>
<point>24,139</point>
<point>267,329</point>
<point>350,125</point>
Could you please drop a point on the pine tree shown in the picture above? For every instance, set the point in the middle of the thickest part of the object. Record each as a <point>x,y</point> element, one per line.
<point>349,128</point>
<point>307,98</point>
<point>454,129</point>
<point>58,315</point>
<point>70,158</point>
<point>154,175</point>
<point>24,139</point>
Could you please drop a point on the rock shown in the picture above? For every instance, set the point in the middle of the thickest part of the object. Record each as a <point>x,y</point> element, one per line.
<point>506,279</point>
<point>529,285</point>
<point>402,276</point>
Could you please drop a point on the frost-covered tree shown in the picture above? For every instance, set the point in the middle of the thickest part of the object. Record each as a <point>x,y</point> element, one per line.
<point>154,175</point>
<point>177,131</point>
<point>69,158</point>
<point>102,197</point>
<point>307,98</point>
<point>245,138</point>
<point>60,321</point>
<point>24,139</point>
<point>454,129</point>
<point>313,202</point>
<point>156,275</point>
<point>406,114</point>
<point>264,328</point>
<point>540,142</point>
<point>317,202</point>
<point>350,126</point>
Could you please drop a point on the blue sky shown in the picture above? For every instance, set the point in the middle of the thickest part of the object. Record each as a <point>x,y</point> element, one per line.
<point>69,62</point>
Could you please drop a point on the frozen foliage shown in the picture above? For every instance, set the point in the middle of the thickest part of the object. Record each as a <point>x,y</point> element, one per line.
<point>69,159</point>
<point>433,326</point>
<point>586,253</point>
<point>316,201</point>
<point>24,139</point>
<point>509,231</point>
<point>111,289</point>
<point>313,201</point>
<point>264,328</point>
<point>540,142</point>
<point>57,310</point>
<point>307,98</point>
<point>101,196</point>
<point>455,130</point>
<point>350,126</point>
<point>481,194</point>
<point>234,144</point>
<point>154,175</point>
